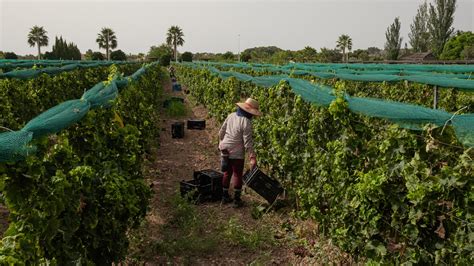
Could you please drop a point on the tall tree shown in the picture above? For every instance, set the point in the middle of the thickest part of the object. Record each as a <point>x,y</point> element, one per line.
<point>440,22</point>
<point>63,50</point>
<point>344,42</point>
<point>106,39</point>
<point>394,41</point>
<point>174,38</point>
<point>419,35</point>
<point>38,37</point>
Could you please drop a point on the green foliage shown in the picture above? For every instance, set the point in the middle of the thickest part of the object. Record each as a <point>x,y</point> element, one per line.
<point>97,56</point>
<point>107,39</point>
<point>236,234</point>
<point>468,52</point>
<point>185,234</point>
<point>419,35</point>
<point>261,53</point>
<point>455,48</point>
<point>165,60</point>
<point>228,56</point>
<point>361,55</point>
<point>394,41</point>
<point>118,55</point>
<point>176,109</point>
<point>10,55</point>
<point>281,57</point>
<point>74,200</point>
<point>187,57</point>
<point>63,50</point>
<point>245,57</point>
<point>175,38</point>
<point>162,53</point>
<point>308,54</point>
<point>378,191</point>
<point>37,36</point>
<point>344,42</point>
<point>440,24</point>
<point>329,55</point>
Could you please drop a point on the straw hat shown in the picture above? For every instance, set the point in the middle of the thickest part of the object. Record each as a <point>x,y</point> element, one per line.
<point>250,106</point>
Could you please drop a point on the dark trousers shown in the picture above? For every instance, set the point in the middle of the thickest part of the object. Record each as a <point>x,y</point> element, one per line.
<point>236,168</point>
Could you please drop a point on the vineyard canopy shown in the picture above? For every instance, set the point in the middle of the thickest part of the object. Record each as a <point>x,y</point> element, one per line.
<point>408,116</point>
<point>51,67</point>
<point>14,145</point>
<point>459,77</point>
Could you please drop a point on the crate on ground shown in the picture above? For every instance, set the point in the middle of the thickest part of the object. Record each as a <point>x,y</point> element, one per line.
<point>196,124</point>
<point>177,130</point>
<point>206,185</point>
<point>264,185</point>
<point>213,178</point>
<point>176,87</point>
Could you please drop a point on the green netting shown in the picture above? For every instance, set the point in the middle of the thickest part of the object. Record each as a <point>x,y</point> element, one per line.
<point>11,63</point>
<point>461,84</point>
<point>316,94</point>
<point>57,118</point>
<point>401,67</point>
<point>267,81</point>
<point>373,72</point>
<point>32,73</point>
<point>464,128</point>
<point>101,94</point>
<point>408,116</point>
<point>14,145</point>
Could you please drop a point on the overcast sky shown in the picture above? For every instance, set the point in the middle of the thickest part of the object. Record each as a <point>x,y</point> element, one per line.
<point>213,26</point>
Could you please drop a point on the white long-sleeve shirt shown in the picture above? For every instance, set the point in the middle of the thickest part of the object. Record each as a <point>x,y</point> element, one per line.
<point>235,136</point>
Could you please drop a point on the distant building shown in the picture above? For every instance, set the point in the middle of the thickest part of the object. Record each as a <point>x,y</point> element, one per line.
<point>419,57</point>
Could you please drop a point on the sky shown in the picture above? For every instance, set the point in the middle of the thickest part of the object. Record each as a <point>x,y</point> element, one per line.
<point>213,26</point>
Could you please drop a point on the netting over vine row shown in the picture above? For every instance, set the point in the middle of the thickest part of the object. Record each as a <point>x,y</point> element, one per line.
<point>51,70</point>
<point>14,146</point>
<point>406,115</point>
<point>454,76</point>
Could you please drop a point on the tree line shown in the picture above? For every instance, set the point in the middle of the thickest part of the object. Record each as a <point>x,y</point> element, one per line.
<point>61,49</point>
<point>430,31</point>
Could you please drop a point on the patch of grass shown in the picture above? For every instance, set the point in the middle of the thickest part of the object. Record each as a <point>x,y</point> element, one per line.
<point>185,234</point>
<point>176,109</point>
<point>252,239</point>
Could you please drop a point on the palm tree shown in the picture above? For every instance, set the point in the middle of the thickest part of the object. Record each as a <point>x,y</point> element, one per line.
<point>344,42</point>
<point>107,39</point>
<point>174,38</point>
<point>37,36</point>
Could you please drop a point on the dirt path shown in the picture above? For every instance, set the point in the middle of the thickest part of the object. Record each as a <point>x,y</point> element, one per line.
<point>178,232</point>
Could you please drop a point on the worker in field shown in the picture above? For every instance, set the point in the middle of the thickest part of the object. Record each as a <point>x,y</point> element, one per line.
<point>235,139</point>
<point>171,70</point>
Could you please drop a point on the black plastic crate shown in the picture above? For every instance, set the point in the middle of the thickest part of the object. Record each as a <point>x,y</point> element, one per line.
<point>196,124</point>
<point>208,176</point>
<point>177,130</point>
<point>264,185</point>
<point>193,190</point>
<point>212,178</point>
<point>176,87</point>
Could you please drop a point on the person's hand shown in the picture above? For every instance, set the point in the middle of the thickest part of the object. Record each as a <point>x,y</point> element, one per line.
<point>253,162</point>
